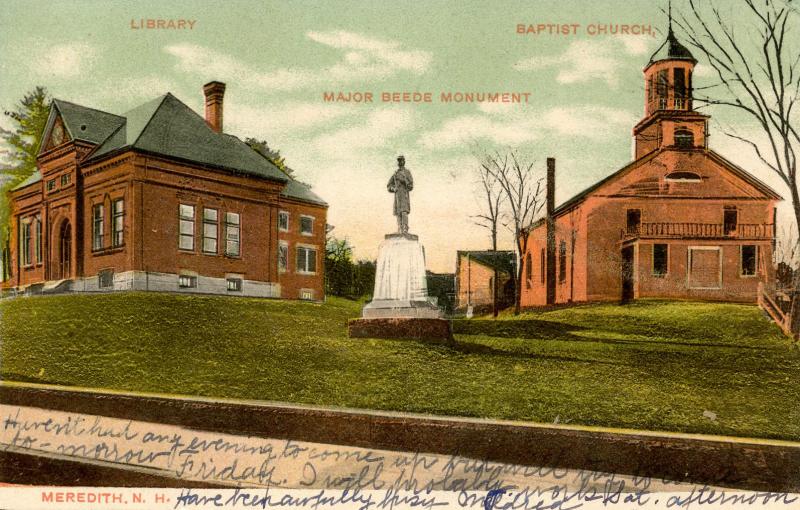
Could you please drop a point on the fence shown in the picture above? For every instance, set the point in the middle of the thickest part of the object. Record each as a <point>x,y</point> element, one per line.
<point>777,302</point>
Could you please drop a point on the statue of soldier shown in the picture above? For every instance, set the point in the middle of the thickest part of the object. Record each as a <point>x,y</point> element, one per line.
<point>401,183</point>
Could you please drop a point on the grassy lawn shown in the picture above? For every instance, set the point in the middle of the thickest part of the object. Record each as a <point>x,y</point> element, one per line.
<point>652,365</point>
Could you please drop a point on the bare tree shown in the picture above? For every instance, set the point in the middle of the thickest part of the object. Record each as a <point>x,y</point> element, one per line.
<point>522,187</point>
<point>757,64</point>
<point>490,198</point>
<point>757,68</point>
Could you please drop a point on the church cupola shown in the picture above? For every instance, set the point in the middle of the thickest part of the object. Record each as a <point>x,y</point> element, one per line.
<point>669,117</point>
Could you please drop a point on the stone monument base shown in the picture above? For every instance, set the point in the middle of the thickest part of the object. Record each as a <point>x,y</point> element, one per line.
<point>400,309</point>
<point>429,330</point>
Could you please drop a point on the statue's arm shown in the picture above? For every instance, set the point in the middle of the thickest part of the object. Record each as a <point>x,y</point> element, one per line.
<point>391,186</point>
<point>409,181</point>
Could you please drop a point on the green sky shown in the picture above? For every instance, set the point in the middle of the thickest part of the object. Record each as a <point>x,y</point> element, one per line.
<point>278,58</point>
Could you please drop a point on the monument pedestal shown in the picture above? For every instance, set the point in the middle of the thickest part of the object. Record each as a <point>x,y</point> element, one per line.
<point>400,307</point>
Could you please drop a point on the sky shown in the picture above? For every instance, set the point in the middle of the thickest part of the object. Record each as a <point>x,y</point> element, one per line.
<point>279,58</point>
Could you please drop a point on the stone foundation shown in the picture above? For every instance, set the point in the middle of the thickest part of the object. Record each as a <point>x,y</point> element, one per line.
<point>432,330</point>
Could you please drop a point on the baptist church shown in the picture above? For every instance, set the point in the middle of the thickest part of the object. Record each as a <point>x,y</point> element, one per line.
<point>161,198</point>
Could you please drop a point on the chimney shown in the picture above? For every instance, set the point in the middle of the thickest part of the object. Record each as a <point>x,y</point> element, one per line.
<point>550,277</point>
<point>214,91</point>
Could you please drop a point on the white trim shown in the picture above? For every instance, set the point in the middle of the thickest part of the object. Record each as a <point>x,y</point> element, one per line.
<point>689,250</point>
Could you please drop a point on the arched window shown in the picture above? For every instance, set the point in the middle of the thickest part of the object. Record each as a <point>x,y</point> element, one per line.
<point>683,177</point>
<point>684,139</point>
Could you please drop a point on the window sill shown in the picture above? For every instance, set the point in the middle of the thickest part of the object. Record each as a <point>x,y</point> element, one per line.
<point>659,275</point>
<point>748,276</point>
<point>234,257</point>
<point>107,251</point>
<point>305,273</point>
<point>307,234</point>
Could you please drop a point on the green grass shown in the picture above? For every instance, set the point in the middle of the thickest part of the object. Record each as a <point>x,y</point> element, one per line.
<point>650,365</point>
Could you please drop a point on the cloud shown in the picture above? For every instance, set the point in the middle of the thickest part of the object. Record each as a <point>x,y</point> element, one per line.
<point>586,60</point>
<point>362,59</point>
<point>67,60</point>
<point>522,125</point>
<point>284,117</point>
<point>376,131</point>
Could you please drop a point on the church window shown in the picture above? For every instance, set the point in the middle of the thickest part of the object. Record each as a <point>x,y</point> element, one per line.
<point>684,177</point>
<point>679,88</point>
<point>748,260</point>
<point>684,139</point>
<point>660,259</point>
<point>186,241</point>
<point>562,261</point>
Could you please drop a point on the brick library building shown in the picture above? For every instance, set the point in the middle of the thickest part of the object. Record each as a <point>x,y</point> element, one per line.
<point>161,199</point>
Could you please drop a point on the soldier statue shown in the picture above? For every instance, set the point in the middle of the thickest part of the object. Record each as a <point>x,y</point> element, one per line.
<point>401,183</point>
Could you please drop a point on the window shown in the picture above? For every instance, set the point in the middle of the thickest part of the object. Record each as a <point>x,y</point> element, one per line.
<point>730,220</point>
<point>684,139</point>
<point>234,284</point>
<point>118,223</point>
<point>660,259</point>
<point>37,232</point>
<point>210,229</point>
<point>679,88</point>
<point>562,261</point>
<point>186,238</point>
<point>25,242</point>
<point>98,226</point>
<point>283,221</point>
<point>633,220</point>
<point>306,225</point>
<point>661,91</point>
<point>749,256</point>
<point>306,294</point>
<point>65,179</point>
<point>105,278</point>
<point>528,268</point>
<point>51,185</point>
<point>683,176</point>
<point>232,234</point>
<point>306,260</point>
<point>542,263</point>
<point>283,257</point>
<point>187,282</point>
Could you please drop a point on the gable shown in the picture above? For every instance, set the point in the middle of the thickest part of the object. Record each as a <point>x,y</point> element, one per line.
<point>685,174</point>
<point>56,133</point>
<point>69,121</point>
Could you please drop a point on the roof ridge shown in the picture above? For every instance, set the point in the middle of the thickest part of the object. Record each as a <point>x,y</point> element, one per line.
<point>147,124</point>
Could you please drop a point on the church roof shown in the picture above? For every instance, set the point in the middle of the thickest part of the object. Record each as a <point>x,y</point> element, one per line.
<point>671,49</point>
<point>167,127</point>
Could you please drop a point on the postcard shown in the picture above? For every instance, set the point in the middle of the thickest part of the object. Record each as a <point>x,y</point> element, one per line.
<point>373,255</point>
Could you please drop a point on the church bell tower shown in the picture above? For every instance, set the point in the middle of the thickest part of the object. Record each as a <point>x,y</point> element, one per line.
<point>669,118</point>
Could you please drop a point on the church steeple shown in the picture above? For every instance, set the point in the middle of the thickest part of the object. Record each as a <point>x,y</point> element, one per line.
<point>669,119</point>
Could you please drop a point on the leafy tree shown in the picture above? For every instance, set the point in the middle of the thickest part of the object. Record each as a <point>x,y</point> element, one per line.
<point>20,146</point>
<point>274,156</point>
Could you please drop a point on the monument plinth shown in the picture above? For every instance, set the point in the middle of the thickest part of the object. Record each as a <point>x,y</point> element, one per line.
<point>400,307</point>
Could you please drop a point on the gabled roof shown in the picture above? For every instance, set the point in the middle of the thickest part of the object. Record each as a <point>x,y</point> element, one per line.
<point>733,168</point>
<point>503,260</point>
<point>167,127</point>
<point>35,177</point>
<point>82,123</point>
